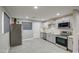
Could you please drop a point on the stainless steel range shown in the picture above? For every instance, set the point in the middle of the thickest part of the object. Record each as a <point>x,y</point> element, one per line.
<point>62,39</point>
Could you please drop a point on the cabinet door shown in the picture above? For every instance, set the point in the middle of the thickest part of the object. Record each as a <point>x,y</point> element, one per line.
<point>48,36</point>
<point>53,39</point>
<point>41,35</point>
<point>44,36</point>
<point>70,44</point>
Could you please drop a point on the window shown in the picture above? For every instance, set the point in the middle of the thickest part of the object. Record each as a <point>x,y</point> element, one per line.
<point>27,25</point>
<point>5,23</point>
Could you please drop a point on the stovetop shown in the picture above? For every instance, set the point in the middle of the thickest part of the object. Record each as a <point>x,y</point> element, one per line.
<point>65,33</point>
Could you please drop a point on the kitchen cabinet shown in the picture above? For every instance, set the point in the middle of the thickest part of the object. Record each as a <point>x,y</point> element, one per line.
<point>51,37</point>
<point>44,36</point>
<point>41,35</point>
<point>70,43</point>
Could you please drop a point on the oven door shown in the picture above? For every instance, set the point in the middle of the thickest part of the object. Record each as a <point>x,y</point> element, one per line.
<point>61,41</point>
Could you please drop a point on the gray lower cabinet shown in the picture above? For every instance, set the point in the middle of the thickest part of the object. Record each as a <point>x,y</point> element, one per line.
<point>41,35</point>
<point>15,35</point>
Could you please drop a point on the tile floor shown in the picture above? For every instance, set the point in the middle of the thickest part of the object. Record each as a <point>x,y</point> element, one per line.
<point>37,46</point>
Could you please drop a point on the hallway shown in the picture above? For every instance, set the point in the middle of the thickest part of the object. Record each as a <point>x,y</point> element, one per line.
<point>36,46</point>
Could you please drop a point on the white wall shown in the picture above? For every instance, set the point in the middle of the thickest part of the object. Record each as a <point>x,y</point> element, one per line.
<point>26,34</point>
<point>4,43</point>
<point>75,31</point>
<point>34,33</point>
<point>4,38</point>
<point>0,20</point>
<point>36,29</point>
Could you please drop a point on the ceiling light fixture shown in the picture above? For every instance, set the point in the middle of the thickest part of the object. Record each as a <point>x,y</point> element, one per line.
<point>42,19</point>
<point>35,7</point>
<point>27,17</point>
<point>58,14</point>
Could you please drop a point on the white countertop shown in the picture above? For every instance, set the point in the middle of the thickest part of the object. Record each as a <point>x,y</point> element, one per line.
<point>70,37</point>
<point>52,33</point>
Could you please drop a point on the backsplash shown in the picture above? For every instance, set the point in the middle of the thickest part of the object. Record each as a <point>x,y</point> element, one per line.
<point>54,28</point>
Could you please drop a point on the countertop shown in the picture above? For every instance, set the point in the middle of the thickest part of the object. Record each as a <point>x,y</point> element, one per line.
<point>51,33</point>
<point>71,36</point>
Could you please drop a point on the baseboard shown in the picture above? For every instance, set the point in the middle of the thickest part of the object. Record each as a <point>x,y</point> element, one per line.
<point>27,39</point>
<point>7,50</point>
<point>4,50</point>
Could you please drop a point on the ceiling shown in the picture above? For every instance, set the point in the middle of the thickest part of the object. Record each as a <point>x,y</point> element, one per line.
<point>42,13</point>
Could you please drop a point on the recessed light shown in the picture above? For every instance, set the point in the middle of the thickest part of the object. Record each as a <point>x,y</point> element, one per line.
<point>27,17</point>
<point>42,19</point>
<point>35,7</point>
<point>58,14</point>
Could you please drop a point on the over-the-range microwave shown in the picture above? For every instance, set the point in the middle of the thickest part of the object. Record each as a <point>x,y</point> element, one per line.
<point>64,25</point>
